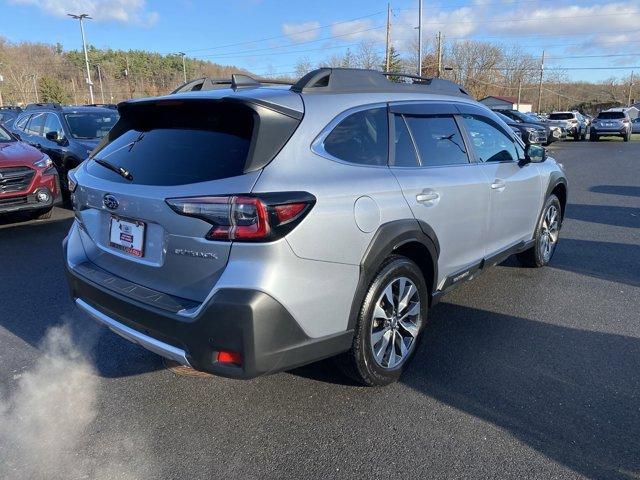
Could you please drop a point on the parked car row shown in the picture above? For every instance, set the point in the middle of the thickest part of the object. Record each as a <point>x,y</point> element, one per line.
<point>38,147</point>
<point>572,124</point>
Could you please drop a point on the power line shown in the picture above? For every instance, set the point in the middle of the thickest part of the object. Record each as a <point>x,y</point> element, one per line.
<point>285,35</point>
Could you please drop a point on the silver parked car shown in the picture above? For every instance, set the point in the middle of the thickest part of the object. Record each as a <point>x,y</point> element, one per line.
<point>611,123</point>
<point>573,123</point>
<point>247,228</point>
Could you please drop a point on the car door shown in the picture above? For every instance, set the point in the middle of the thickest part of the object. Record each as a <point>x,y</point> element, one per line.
<point>515,186</point>
<point>443,188</point>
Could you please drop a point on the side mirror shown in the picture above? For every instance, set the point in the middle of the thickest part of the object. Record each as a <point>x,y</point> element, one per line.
<point>53,136</point>
<point>535,153</point>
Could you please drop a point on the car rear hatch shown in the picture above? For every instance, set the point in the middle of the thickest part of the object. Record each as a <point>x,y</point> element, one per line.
<point>611,120</point>
<point>173,148</point>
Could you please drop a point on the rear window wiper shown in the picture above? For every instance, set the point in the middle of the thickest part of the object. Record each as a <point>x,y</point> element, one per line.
<point>123,172</point>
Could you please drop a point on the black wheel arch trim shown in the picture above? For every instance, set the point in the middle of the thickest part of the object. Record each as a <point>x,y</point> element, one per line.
<point>389,238</point>
<point>557,178</point>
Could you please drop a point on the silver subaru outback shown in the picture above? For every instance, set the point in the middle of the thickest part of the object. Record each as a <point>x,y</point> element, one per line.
<point>245,228</point>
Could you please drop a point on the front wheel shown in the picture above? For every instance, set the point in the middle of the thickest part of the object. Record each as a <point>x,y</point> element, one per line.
<point>546,235</point>
<point>391,319</point>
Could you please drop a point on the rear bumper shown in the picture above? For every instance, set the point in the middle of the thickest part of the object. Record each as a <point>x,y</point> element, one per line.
<point>621,132</point>
<point>245,321</point>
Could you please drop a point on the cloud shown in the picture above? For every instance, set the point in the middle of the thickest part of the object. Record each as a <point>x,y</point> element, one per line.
<point>363,29</point>
<point>123,11</point>
<point>301,32</point>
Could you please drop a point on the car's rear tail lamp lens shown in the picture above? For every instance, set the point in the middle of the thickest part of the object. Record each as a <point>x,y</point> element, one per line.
<point>233,358</point>
<point>263,217</point>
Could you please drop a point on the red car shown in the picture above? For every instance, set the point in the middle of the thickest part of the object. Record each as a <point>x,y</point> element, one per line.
<point>28,179</point>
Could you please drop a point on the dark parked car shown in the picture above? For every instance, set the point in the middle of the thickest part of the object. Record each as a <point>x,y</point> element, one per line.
<point>8,115</point>
<point>552,133</point>
<point>528,132</point>
<point>66,134</point>
<point>28,179</point>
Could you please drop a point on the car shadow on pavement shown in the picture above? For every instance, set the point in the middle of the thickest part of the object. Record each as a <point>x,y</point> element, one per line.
<point>605,214</point>
<point>624,190</point>
<point>570,394</point>
<point>35,297</point>
<point>615,262</point>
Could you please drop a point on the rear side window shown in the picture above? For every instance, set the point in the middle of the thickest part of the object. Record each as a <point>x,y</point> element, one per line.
<point>611,115</point>
<point>22,122</point>
<point>404,151</point>
<point>489,143</point>
<point>361,138</point>
<point>178,145</point>
<point>36,123</point>
<point>438,140</point>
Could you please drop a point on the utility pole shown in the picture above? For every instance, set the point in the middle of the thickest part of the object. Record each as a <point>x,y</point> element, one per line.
<point>100,79</point>
<point>184,67</point>
<point>420,38</point>
<point>126,74</point>
<point>540,84</point>
<point>439,54</point>
<point>520,93</point>
<point>81,18</point>
<point>387,52</point>
<point>1,80</point>
<point>35,87</point>
<point>73,87</point>
<point>630,88</point>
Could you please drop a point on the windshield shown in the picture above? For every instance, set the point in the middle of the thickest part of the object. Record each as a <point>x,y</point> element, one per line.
<point>561,116</point>
<point>4,136</point>
<point>611,115</point>
<point>90,125</point>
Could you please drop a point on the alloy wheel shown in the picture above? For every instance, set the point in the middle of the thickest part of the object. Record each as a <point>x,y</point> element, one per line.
<point>396,323</point>
<point>550,232</point>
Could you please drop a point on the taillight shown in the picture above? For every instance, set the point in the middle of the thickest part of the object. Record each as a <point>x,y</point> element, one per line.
<point>248,218</point>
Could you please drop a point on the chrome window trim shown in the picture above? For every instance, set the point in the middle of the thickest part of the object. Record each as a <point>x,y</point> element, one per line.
<point>317,146</point>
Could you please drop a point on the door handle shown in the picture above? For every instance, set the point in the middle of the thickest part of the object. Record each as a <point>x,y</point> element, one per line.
<point>428,197</point>
<point>498,184</point>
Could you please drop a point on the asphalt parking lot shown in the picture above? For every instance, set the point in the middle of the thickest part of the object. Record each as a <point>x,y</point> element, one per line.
<point>522,373</point>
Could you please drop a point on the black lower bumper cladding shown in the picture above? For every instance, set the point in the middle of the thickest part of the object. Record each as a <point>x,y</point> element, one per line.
<point>249,322</point>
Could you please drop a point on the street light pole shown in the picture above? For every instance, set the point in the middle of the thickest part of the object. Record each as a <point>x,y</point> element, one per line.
<point>184,66</point>
<point>81,17</point>
<point>419,38</point>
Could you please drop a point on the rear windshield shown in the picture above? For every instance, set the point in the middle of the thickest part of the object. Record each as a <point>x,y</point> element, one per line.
<point>178,145</point>
<point>561,116</point>
<point>611,115</point>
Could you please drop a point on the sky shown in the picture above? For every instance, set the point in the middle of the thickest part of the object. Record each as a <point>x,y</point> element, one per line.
<point>270,36</point>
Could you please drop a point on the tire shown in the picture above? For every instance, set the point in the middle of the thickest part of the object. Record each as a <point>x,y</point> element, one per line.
<point>539,255</point>
<point>379,322</point>
<point>584,135</point>
<point>576,136</point>
<point>593,137</point>
<point>43,214</point>
<point>626,137</point>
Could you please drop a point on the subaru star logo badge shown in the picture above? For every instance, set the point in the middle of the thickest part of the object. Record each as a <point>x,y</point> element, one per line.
<point>110,201</point>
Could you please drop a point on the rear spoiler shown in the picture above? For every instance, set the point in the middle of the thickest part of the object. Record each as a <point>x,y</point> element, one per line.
<point>273,124</point>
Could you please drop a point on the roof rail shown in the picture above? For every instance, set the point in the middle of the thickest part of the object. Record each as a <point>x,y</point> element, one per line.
<point>52,105</point>
<point>236,82</point>
<point>355,80</point>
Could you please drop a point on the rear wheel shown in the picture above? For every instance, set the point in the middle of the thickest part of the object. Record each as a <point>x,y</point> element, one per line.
<point>626,137</point>
<point>584,135</point>
<point>546,235</point>
<point>391,319</point>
